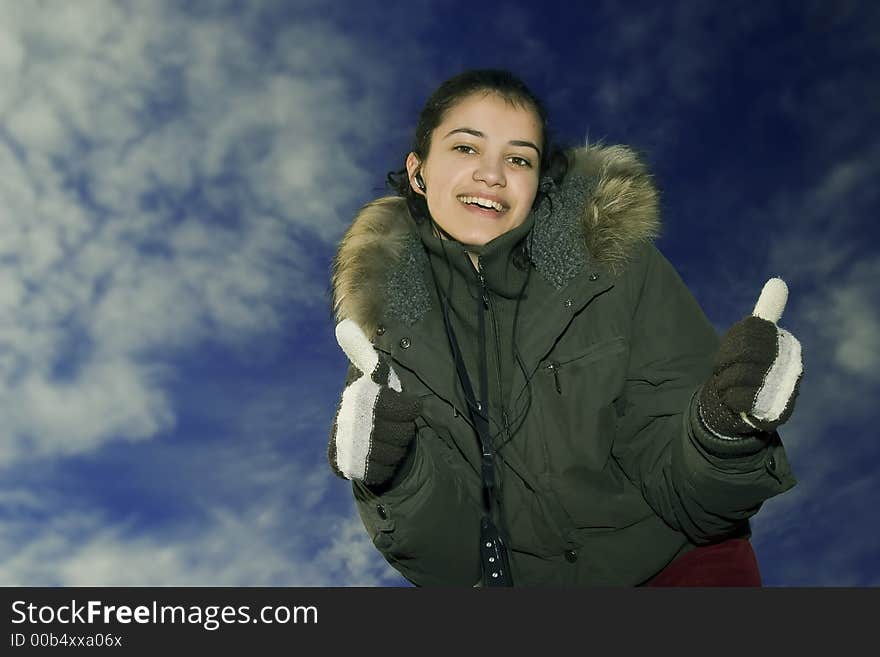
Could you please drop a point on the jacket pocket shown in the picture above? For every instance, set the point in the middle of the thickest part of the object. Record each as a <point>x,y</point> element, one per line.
<point>562,368</point>
<point>577,392</point>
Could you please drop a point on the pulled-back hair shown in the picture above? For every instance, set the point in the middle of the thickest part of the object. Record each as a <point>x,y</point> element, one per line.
<point>502,83</point>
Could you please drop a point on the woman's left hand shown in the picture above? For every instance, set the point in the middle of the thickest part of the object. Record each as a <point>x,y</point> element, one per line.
<point>757,371</point>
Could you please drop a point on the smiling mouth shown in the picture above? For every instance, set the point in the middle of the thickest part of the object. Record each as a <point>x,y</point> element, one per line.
<point>483,203</point>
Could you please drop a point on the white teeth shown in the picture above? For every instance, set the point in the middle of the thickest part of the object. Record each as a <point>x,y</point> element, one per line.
<point>482,202</point>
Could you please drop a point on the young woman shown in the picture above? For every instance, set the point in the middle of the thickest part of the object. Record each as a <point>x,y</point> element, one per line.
<point>535,398</point>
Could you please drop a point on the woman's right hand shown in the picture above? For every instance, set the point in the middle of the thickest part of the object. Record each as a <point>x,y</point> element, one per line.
<point>374,424</point>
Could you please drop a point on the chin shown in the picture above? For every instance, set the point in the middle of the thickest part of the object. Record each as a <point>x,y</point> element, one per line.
<point>478,240</point>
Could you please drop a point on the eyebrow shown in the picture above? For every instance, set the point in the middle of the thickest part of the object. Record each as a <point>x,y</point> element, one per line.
<point>477,133</point>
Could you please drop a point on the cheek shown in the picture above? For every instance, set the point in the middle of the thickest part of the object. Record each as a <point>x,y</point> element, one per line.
<point>528,193</point>
<point>440,185</point>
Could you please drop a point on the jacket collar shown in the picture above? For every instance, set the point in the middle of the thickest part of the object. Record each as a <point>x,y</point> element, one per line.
<point>605,207</point>
<point>502,273</point>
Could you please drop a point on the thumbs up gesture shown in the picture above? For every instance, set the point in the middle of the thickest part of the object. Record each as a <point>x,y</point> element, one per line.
<point>756,372</point>
<point>374,423</point>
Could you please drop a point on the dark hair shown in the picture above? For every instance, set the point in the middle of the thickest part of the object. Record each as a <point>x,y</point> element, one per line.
<point>505,84</point>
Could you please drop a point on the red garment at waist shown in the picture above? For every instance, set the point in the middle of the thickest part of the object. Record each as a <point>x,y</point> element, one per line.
<point>729,563</point>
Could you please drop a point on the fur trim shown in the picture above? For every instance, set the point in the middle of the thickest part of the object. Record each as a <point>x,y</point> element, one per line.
<point>373,242</point>
<point>623,209</point>
<point>618,211</point>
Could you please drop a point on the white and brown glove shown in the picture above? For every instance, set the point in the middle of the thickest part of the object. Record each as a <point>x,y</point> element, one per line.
<point>756,373</point>
<point>375,420</point>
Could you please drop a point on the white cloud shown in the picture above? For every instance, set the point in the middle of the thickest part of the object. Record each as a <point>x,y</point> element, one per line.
<point>845,313</point>
<point>232,548</point>
<point>156,173</point>
<point>11,58</point>
<point>253,517</point>
<point>817,245</point>
<point>107,399</point>
<point>246,500</point>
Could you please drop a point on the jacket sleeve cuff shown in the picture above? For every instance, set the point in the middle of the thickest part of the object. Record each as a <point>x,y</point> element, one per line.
<point>724,446</point>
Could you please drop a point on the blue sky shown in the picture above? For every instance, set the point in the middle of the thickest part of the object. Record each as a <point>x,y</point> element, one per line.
<point>174,178</point>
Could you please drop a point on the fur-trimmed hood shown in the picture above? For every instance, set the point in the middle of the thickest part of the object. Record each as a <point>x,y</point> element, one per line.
<point>606,205</point>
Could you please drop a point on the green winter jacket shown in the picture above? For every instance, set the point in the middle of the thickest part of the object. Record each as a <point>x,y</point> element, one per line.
<point>605,471</point>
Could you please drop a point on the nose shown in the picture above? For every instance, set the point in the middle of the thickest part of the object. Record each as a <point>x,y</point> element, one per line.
<point>490,171</point>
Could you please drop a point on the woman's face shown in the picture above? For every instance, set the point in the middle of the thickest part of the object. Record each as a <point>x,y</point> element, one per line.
<point>484,153</point>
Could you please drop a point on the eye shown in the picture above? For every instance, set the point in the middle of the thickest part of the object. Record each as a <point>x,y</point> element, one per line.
<point>464,148</point>
<point>520,162</point>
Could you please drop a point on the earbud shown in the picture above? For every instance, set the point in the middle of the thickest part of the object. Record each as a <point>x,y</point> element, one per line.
<point>420,182</point>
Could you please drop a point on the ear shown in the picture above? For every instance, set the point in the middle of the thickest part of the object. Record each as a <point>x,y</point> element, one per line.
<point>413,164</point>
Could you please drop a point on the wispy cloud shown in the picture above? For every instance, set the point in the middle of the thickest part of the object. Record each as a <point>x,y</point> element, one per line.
<point>160,174</point>
<point>247,499</point>
<point>784,187</point>
<point>818,246</point>
<point>846,315</point>
<point>250,546</point>
<point>172,180</point>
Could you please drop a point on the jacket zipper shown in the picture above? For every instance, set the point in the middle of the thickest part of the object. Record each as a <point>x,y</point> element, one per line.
<point>484,295</point>
<point>553,366</point>
<point>484,292</point>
